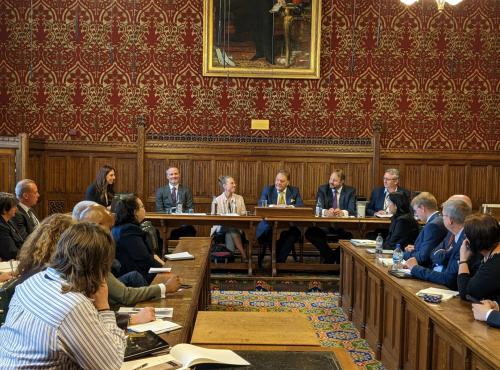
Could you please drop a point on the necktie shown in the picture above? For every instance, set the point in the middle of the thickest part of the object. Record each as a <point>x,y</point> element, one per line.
<point>335,203</point>
<point>281,198</point>
<point>33,217</point>
<point>174,195</point>
<point>386,202</point>
<point>451,242</point>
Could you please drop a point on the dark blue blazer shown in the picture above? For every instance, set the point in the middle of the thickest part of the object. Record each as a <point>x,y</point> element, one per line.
<point>377,199</point>
<point>347,198</point>
<point>134,250</point>
<point>448,276</point>
<point>270,194</point>
<point>494,319</point>
<point>428,239</point>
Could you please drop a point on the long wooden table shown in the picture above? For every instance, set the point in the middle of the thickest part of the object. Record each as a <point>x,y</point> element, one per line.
<point>359,227</point>
<point>405,332</point>
<point>187,302</point>
<point>246,223</point>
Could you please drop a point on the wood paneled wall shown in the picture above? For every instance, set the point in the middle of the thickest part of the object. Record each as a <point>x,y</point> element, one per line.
<point>63,170</point>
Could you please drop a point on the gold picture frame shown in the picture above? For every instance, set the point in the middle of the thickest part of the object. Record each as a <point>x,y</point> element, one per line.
<point>262,38</point>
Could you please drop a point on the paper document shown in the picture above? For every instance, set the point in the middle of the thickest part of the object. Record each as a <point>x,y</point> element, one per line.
<point>363,242</point>
<point>8,266</point>
<point>149,362</point>
<point>385,215</point>
<point>447,294</point>
<point>155,270</point>
<point>158,326</point>
<point>179,256</point>
<point>160,312</point>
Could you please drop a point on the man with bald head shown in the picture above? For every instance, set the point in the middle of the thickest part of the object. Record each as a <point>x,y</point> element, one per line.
<point>118,292</point>
<point>445,270</point>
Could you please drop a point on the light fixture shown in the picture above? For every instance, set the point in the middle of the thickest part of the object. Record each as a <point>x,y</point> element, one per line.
<point>440,3</point>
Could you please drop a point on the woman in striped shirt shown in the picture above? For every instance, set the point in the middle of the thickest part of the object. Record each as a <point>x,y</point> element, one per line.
<point>60,317</point>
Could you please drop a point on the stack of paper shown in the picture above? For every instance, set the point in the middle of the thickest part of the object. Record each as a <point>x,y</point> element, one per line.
<point>160,312</point>
<point>158,326</point>
<point>363,242</point>
<point>447,294</point>
<point>179,256</point>
<point>9,266</point>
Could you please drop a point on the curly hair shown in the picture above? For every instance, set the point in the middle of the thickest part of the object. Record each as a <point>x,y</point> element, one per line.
<point>39,247</point>
<point>83,255</point>
<point>124,209</point>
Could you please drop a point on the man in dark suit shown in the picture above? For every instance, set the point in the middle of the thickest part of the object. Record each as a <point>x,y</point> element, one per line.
<point>280,194</point>
<point>454,214</point>
<point>378,204</point>
<point>25,219</point>
<point>425,207</point>
<point>336,200</point>
<point>487,311</point>
<point>171,196</point>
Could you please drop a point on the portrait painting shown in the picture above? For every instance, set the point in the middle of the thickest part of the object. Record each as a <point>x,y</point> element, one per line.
<point>261,38</point>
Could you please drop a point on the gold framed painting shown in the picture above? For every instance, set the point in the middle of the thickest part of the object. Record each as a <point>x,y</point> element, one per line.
<point>262,38</point>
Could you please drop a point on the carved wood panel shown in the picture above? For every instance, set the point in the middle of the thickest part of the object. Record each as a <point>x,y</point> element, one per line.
<point>358,297</point>
<point>56,167</point>
<point>478,364</point>
<point>8,170</point>
<point>391,333</point>
<point>316,174</point>
<point>155,176</point>
<point>478,185</point>
<point>248,181</point>
<point>203,172</point>
<point>416,339</point>
<point>456,182</point>
<point>373,317</point>
<point>346,293</point>
<point>447,352</point>
<point>359,176</point>
<point>77,174</point>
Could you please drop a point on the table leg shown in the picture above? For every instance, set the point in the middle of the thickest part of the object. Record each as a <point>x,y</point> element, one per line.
<point>273,249</point>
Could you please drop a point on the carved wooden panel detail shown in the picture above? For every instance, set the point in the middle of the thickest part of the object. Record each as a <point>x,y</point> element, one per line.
<point>8,170</point>
<point>416,339</point>
<point>203,173</point>
<point>56,206</point>
<point>478,186</point>
<point>447,352</point>
<point>316,174</point>
<point>373,327</point>
<point>248,181</point>
<point>56,167</point>
<point>457,177</point>
<point>358,299</point>
<point>359,175</point>
<point>78,174</point>
<point>346,276</point>
<point>391,333</point>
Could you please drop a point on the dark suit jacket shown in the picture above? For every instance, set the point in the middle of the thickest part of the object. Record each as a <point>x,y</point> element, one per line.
<point>428,239</point>
<point>24,223</point>
<point>10,240</point>
<point>448,276</point>
<point>94,195</point>
<point>377,199</point>
<point>133,250</point>
<point>494,319</point>
<point>270,194</point>
<point>347,198</point>
<point>403,231</point>
<point>164,198</point>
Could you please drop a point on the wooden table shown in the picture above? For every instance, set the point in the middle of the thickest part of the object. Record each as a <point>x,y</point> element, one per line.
<point>187,302</point>
<point>358,225</point>
<point>261,331</point>
<point>404,331</point>
<point>246,223</point>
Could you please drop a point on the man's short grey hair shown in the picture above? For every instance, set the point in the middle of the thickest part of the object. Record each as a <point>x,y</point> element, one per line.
<point>457,210</point>
<point>393,172</point>
<point>80,207</point>
<point>22,187</point>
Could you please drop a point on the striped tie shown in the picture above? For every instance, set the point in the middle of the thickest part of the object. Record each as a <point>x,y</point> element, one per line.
<point>281,198</point>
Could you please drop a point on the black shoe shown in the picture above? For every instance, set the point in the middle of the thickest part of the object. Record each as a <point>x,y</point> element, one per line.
<point>270,60</point>
<point>257,56</point>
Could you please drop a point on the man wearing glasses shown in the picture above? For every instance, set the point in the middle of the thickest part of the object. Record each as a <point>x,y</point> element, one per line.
<point>379,199</point>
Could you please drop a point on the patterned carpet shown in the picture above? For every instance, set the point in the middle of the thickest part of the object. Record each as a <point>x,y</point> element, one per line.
<point>331,325</point>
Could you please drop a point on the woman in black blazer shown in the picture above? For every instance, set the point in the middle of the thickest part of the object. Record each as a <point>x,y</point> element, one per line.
<point>10,239</point>
<point>133,248</point>
<point>404,227</point>
<point>102,189</point>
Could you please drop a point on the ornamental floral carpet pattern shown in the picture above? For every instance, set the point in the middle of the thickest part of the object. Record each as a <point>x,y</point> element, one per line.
<point>328,320</point>
<point>95,69</point>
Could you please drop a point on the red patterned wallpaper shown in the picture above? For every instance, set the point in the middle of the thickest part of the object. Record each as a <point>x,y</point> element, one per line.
<point>94,69</point>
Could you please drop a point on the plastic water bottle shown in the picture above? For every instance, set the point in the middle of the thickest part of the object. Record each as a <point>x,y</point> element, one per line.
<point>379,246</point>
<point>318,209</point>
<point>178,208</point>
<point>397,257</point>
<point>213,208</point>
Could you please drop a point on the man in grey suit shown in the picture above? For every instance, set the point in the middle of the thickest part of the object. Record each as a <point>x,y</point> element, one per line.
<point>172,195</point>
<point>25,219</point>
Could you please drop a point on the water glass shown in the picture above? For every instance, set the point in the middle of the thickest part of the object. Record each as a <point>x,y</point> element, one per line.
<point>262,203</point>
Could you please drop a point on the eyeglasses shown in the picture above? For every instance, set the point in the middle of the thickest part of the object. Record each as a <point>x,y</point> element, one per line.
<point>390,179</point>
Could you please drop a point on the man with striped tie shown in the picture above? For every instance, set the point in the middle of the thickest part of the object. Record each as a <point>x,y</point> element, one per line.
<point>25,219</point>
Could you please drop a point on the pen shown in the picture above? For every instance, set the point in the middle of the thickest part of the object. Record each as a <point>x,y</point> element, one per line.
<point>140,366</point>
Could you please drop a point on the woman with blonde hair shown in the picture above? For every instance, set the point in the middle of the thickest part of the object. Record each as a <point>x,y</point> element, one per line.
<point>39,247</point>
<point>230,203</point>
<point>60,317</point>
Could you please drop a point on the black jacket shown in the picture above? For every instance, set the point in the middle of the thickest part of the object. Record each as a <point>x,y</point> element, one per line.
<point>403,231</point>
<point>10,240</point>
<point>24,223</point>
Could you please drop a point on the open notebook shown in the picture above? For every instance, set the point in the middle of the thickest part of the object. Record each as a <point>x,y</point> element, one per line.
<point>187,355</point>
